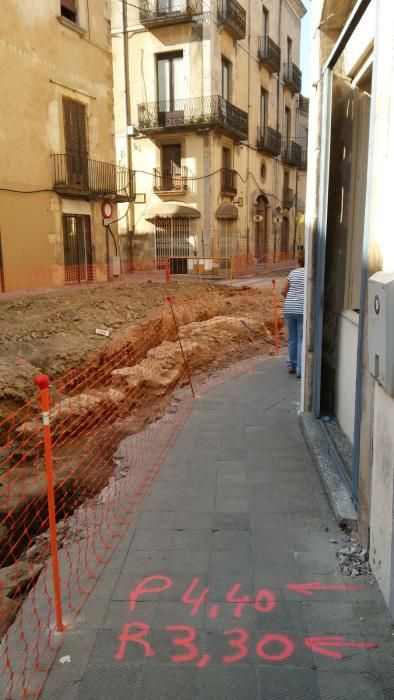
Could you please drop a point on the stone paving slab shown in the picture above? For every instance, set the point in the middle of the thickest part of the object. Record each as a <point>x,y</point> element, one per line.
<point>236,519</point>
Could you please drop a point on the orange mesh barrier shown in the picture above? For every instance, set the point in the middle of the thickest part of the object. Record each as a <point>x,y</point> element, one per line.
<point>243,266</point>
<point>28,277</point>
<point>108,426</point>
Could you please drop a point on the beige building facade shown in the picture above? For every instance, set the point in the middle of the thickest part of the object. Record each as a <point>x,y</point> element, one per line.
<point>349,319</point>
<point>57,150</point>
<point>207,115</point>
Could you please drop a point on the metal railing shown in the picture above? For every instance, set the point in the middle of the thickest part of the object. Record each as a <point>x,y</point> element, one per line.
<point>304,158</point>
<point>170,179</point>
<point>303,104</point>
<point>233,16</point>
<point>228,181</point>
<point>269,53</point>
<point>158,12</point>
<point>193,113</point>
<point>288,197</point>
<point>74,174</point>
<point>269,140</point>
<point>291,152</point>
<point>292,77</point>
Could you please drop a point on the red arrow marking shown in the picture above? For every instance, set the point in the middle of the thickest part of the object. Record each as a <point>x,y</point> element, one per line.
<point>310,588</point>
<point>320,644</point>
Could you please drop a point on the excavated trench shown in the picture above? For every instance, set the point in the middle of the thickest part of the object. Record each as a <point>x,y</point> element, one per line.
<point>127,387</point>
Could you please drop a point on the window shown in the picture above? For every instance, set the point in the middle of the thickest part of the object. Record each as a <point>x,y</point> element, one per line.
<point>170,80</point>
<point>287,123</point>
<point>266,25</point>
<point>289,50</point>
<point>226,158</point>
<point>68,9</point>
<point>76,142</point>
<point>263,109</point>
<point>226,79</point>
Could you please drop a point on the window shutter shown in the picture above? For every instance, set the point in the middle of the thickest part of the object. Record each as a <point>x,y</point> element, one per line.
<point>70,5</point>
<point>75,132</point>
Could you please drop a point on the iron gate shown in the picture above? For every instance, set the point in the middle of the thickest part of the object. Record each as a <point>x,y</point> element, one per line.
<point>172,243</point>
<point>77,243</point>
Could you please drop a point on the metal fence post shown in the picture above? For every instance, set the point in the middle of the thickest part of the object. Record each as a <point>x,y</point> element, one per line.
<point>42,382</point>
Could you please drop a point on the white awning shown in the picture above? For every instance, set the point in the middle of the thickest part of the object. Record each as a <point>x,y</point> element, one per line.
<point>170,209</point>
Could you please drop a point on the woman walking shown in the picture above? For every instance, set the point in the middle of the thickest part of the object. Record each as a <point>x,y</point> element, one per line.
<point>293,311</point>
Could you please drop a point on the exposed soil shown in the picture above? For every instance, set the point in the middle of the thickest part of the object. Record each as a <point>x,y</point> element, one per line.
<point>122,392</point>
<point>53,333</point>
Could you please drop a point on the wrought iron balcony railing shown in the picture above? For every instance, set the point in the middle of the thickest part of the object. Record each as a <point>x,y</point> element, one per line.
<point>288,197</point>
<point>303,104</point>
<point>304,159</point>
<point>291,152</point>
<point>228,181</point>
<point>76,175</point>
<point>171,179</point>
<point>157,13</point>
<point>292,77</point>
<point>193,113</point>
<point>269,140</point>
<point>269,54</point>
<point>233,16</point>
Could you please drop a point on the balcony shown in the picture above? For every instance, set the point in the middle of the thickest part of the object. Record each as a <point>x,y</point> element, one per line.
<point>192,114</point>
<point>304,159</point>
<point>288,198</point>
<point>269,140</point>
<point>303,104</point>
<point>228,181</point>
<point>292,77</point>
<point>160,13</point>
<point>76,176</point>
<point>291,152</point>
<point>269,54</point>
<point>233,17</point>
<point>171,179</point>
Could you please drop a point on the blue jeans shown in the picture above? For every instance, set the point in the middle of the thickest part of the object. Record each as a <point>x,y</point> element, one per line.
<point>294,323</point>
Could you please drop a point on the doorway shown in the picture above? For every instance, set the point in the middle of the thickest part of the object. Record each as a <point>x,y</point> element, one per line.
<point>284,239</point>
<point>77,243</point>
<point>261,237</point>
<point>170,88</point>
<point>76,143</point>
<point>172,243</point>
<point>171,175</point>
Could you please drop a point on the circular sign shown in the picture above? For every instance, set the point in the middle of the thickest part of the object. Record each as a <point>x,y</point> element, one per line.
<point>376,304</point>
<point>106,209</point>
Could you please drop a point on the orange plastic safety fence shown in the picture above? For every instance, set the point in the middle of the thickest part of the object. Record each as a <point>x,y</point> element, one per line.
<point>109,431</point>
<point>14,278</point>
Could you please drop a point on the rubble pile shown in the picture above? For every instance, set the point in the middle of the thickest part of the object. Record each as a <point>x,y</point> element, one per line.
<point>353,558</point>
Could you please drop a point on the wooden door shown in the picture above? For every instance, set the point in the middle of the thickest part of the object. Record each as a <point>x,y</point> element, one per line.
<point>76,142</point>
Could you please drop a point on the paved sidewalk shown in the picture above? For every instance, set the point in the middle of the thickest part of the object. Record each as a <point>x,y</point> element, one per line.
<point>237,508</point>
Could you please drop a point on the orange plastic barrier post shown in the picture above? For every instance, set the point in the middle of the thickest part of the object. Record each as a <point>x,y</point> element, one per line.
<point>167,269</point>
<point>42,381</point>
<point>276,318</point>
<point>169,299</point>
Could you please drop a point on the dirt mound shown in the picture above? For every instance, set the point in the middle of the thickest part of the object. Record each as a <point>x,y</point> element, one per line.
<point>55,333</point>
